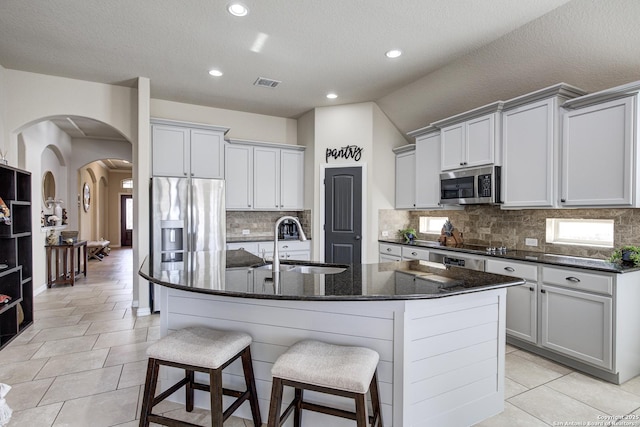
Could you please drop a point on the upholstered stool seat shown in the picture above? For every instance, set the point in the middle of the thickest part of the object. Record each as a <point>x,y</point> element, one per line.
<point>327,368</point>
<point>200,349</point>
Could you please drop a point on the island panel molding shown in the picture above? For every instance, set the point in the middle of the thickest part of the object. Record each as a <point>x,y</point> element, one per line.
<point>440,359</point>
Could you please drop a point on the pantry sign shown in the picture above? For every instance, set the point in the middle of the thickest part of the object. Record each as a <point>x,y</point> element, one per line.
<point>347,152</point>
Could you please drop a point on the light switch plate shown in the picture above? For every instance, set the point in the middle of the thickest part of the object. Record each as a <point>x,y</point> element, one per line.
<point>246,231</point>
<point>530,241</point>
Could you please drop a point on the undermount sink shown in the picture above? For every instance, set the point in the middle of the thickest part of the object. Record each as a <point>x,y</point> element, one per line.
<point>305,269</point>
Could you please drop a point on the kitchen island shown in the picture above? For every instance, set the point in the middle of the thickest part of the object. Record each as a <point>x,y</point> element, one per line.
<point>440,332</point>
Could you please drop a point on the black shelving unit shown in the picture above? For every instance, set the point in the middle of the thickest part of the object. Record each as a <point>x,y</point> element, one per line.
<point>16,248</point>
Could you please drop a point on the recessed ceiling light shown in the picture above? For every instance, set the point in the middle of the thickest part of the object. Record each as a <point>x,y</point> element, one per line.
<point>237,9</point>
<point>332,96</point>
<point>393,53</point>
<point>215,73</point>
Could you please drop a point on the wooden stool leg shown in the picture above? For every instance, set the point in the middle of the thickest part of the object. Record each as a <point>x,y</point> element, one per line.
<point>276,403</point>
<point>149,391</point>
<point>249,378</point>
<point>375,401</point>
<point>297,413</point>
<point>190,376</point>
<point>361,410</point>
<point>215,394</point>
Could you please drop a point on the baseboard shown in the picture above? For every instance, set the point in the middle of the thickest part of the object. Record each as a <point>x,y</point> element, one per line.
<point>39,289</point>
<point>146,311</point>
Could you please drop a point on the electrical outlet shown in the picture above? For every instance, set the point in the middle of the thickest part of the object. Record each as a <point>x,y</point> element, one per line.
<point>530,241</point>
<point>385,233</point>
<point>246,231</point>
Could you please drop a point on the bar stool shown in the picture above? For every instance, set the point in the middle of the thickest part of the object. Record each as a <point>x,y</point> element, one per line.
<point>200,349</point>
<point>326,368</point>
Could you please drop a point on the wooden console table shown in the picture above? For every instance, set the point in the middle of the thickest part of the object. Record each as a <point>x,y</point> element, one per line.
<point>68,262</point>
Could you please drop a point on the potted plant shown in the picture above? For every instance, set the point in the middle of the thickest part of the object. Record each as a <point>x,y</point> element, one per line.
<point>409,234</point>
<point>628,255</point>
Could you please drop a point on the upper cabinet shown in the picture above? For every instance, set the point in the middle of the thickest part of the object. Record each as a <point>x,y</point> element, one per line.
<point>405,177</point>
<point>471,139</point>
<point>600,149</point>
<point>264,176</point>
<point>531,145</point>
<point>427,167</point>
<point>187,149</point>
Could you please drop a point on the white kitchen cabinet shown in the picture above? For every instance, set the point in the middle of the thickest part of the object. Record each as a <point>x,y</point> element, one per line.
<point>522,304</point>
<point>577,324</point>
<point>427,168</point>
<point>291,179</point>
<point>187,149</point>
<point>412,252</point>
<point>405,177</point>
<point>293,250</point>
<point>471,139</point>
<point>238,161</point>
<point>531,147</point>
<point>268,176</point>
<point>599,154</point>
<point>389,252</point>
<point>240,280</point>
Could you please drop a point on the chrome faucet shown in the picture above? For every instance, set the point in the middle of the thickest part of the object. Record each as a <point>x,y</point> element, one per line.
<point>276,255</point>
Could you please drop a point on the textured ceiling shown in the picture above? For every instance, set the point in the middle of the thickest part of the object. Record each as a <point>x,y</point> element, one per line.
<point>313,47</point>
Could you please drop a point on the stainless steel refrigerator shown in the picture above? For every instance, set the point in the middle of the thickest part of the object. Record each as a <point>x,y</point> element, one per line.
<point>188,227</point>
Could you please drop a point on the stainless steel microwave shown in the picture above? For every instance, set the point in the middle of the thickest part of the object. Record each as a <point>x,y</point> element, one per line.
<point>473,186</point>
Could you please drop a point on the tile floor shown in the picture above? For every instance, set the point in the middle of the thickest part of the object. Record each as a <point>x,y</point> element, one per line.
<point>83,364</point>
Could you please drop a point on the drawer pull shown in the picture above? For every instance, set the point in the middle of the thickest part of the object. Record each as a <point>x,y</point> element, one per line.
<point>414,253</point>
<point>510,269</point>
<point>285,246</point>
<point>573,279</point>
<point>388,249</point>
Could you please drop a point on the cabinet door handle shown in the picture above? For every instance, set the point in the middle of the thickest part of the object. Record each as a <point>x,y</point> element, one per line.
<point>573,279</point>
<point>285,246</point>
<point>543,291</point>
<point>563,200</point>
<point>531,288</point>
<point>510,269</point>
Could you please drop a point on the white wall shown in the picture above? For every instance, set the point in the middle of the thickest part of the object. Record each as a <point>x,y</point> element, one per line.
<point>366,126</point>
<point>256,127</point>
<point>35,140</point>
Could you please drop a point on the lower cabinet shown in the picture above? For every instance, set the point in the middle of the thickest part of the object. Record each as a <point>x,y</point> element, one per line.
<point>582,318</point>
<point>522,304</point>
<point>297,250</point>
<point>409,252</point>
<point>389,253</point>
<point>577,324</point>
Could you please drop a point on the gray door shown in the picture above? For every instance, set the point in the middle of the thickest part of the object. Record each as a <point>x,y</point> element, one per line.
<point>343,215</point>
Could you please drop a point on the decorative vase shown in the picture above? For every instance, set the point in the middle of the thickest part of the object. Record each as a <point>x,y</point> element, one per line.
<point>57,211</point>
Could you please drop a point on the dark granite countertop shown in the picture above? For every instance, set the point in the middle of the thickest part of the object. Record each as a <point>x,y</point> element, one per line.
<point>540,257</point>
<point>360,282</point>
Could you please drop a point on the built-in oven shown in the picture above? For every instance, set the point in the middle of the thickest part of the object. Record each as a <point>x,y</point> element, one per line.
<point>472,186</point>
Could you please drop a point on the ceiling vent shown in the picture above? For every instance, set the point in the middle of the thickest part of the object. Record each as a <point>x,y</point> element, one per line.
<point>265,82</point>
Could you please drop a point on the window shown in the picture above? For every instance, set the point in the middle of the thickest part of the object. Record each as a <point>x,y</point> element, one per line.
<point>583,232</point>
<point>127,183</point>
<point>431,224</point>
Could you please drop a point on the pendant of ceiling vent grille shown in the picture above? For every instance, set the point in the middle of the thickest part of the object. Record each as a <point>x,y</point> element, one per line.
<point>265,82</point>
